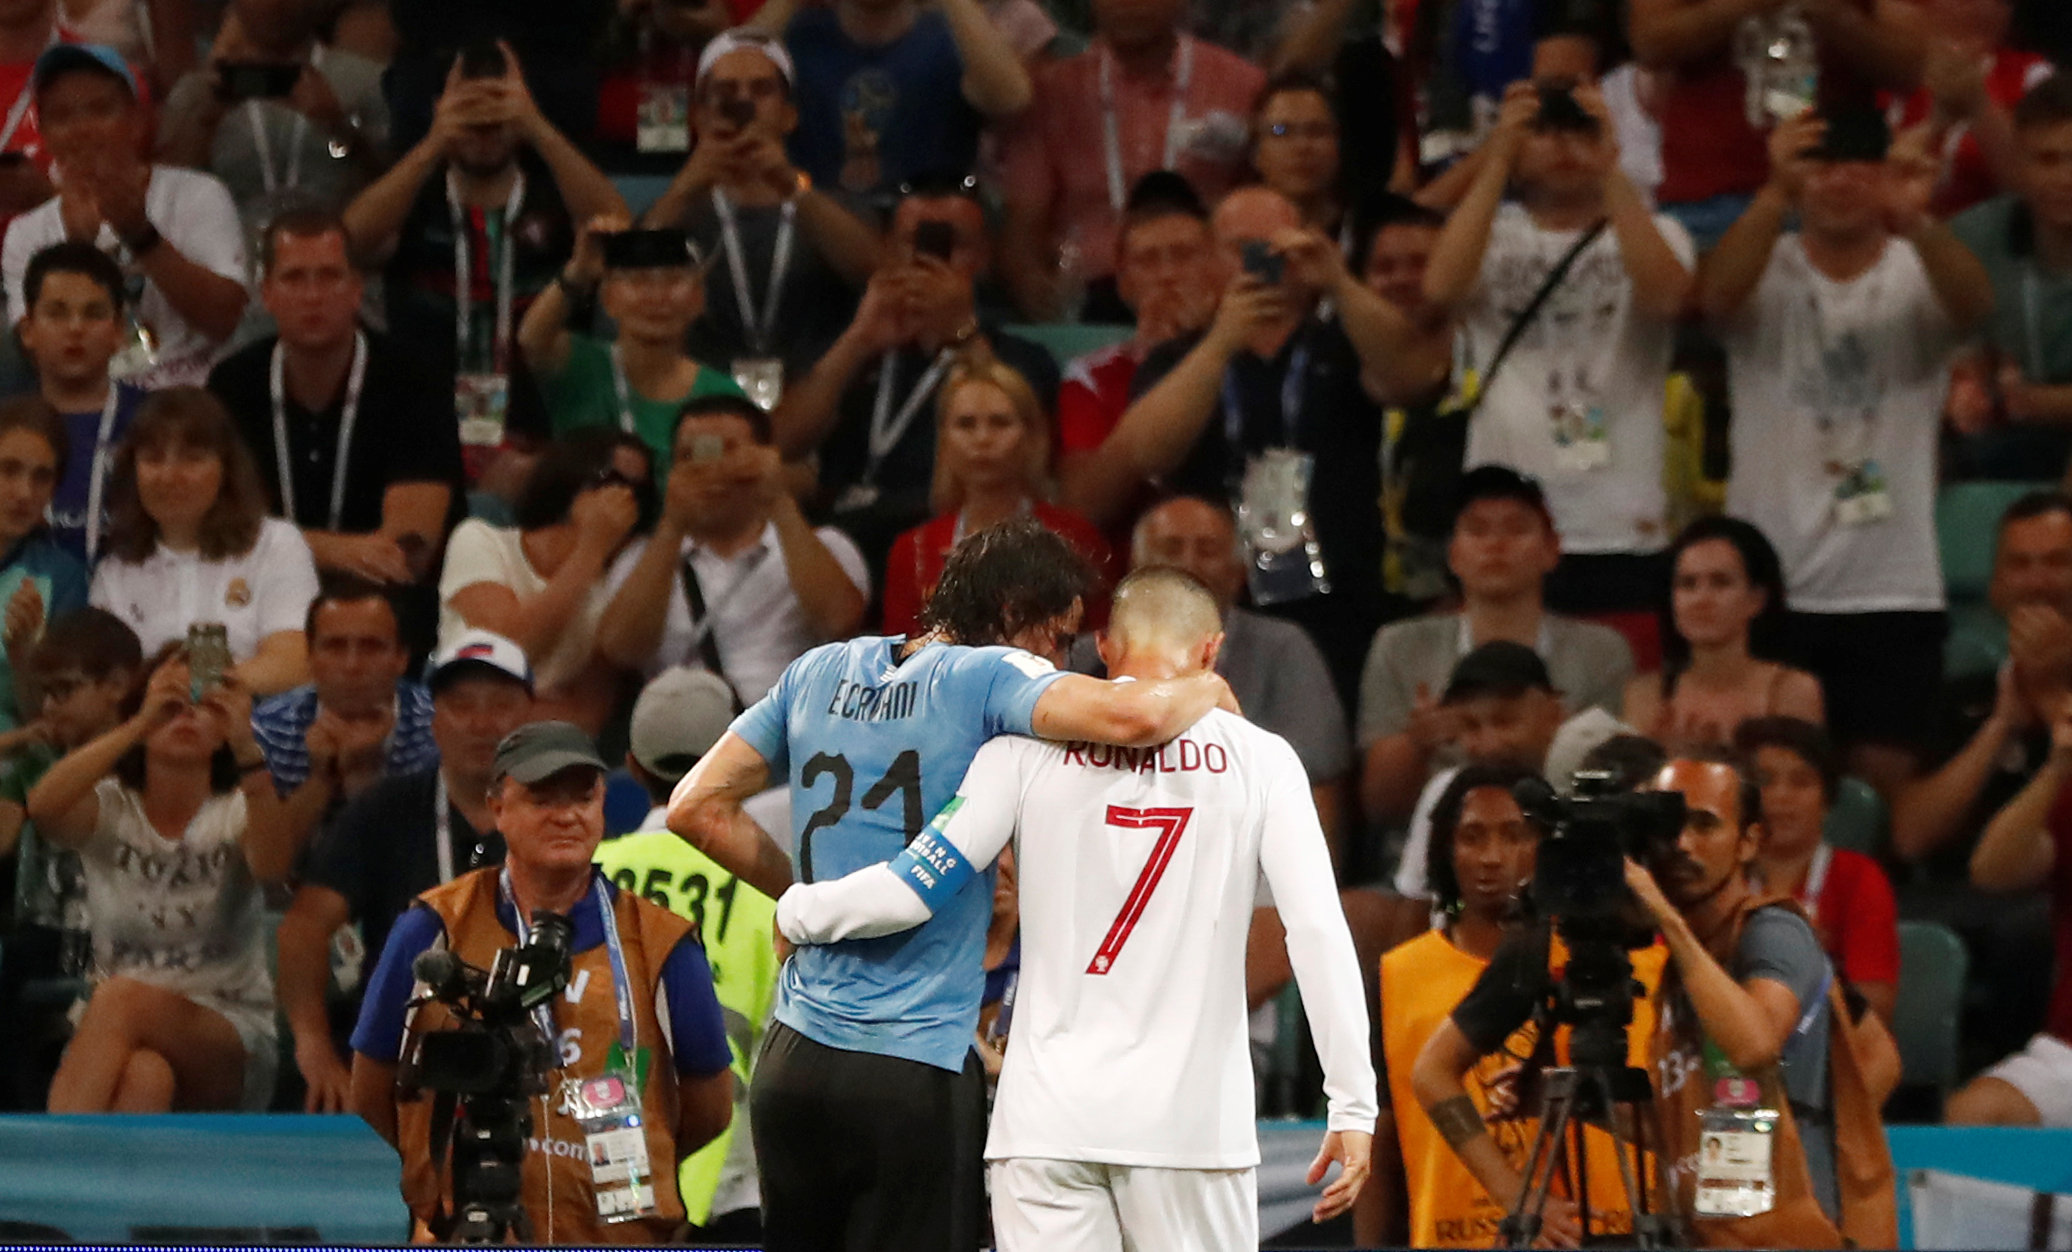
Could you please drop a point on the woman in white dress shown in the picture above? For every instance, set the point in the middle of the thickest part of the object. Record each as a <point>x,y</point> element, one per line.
<point>176,823</point>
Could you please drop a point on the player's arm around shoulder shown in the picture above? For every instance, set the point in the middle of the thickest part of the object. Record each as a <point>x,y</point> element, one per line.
<point>1127,714</point>
<point>912,887</point>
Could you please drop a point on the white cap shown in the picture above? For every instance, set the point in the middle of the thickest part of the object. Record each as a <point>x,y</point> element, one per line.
<point>479,647</point>
<point>680,714</point>
<point>747,37</point>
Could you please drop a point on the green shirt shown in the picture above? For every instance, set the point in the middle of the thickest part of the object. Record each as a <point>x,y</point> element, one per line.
<point>585,393</point>
<point>2031,324</point>
<point>735,923</point>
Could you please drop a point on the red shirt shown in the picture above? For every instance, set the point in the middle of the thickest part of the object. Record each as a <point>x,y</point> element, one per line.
<point>917,556</point>
<point>1854,913</point>
<point>1967,179</point>
<point>1093,397</point>
<point>1708,147</point>
<point>2058,1020</point>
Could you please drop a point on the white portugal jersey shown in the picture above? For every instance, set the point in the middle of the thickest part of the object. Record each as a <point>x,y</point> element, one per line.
<point>1137,871</point>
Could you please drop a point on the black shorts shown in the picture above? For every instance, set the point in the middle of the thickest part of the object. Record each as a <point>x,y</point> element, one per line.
<point>1880,672</point>
<point>866,1153</point>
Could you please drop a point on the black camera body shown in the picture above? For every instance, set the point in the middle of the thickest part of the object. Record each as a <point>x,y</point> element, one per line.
<point>485,1070</point>
<point>1579,884</point>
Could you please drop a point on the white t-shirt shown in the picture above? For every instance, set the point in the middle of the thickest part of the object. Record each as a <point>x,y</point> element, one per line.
<point>182,914</point>
<point>481,553</point>
<point>1826,373</point>
<point>1137,871</point>
<point>196,215</point>
<point>757,623</point>
<point>263,592</point>
<point>1588,349</point>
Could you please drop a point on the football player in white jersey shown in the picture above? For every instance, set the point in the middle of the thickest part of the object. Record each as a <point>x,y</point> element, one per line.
<point>1126,1101</point>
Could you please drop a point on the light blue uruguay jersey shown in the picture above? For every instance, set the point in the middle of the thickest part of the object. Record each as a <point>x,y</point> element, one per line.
<point>874,748</point>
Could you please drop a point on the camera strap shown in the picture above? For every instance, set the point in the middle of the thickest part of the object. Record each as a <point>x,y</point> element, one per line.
<point>1526,315</point>
<point>622,989</point>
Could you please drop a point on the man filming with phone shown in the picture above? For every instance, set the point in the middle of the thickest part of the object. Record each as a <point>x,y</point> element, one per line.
<point>1265,409</point>
<point>868,406</point>
<point>1746,1046</point>
<point>734,580</point>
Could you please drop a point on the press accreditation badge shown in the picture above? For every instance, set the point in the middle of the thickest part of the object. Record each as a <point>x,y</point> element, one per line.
<point>664,118</point>
<point>1862,495</point>
<point>1581,443</point>
<point>1283,559</point>
<point>1735,1147</point>
<point>138,355</point>
<point>761,378</point>
<point>482,405</point>
<point>615,1140</point>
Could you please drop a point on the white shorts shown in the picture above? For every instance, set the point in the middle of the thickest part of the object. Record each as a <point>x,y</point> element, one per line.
<point>2042,1072</point>
<point>1080,1206</point>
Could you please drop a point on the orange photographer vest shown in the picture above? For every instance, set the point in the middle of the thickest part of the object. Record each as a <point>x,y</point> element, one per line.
<point>1863,1162</point>
<point>557,1185</point>
<point>1422,982</point>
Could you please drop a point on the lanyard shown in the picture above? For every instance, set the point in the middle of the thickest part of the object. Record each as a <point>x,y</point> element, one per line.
<point>624,390</point>
<point>347,417</point>
<point>887,427</point>
<point>24,98</point>
<point>98,478</point>
<point>255,117</point>
<point>1111,128</point>
<point>442,827</point>
<point>463,278</point>
<point>705,617</point>
<point>760,328</point>
<point>1816,880</point>
<point>1294,387</point>
<point>622,987</point>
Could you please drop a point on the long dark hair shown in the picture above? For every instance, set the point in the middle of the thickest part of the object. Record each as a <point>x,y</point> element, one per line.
<point>1764,571</point>
<point>1003,580</point>
<point>194,417</point>
<point>1440,879</point>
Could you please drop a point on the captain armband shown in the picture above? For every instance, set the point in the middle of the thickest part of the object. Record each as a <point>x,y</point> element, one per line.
<point>1457,1121</point>
<point>933,867</point>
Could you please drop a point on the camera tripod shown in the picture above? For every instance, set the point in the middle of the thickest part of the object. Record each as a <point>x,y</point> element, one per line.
<point>1570,1097</point>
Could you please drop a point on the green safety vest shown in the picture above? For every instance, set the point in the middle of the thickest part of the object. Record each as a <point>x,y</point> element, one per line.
<point>735,922</point>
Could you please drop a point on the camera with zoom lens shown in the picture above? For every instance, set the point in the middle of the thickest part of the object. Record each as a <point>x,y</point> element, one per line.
<point>487,1066</point>
<point>1579,884</point>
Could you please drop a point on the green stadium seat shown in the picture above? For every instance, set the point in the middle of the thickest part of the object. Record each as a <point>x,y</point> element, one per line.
<point>1857,820</point>
<point>1967,520</point>
<point>1932,967</point>
<point>1068,340</point>
<point>641,190</point>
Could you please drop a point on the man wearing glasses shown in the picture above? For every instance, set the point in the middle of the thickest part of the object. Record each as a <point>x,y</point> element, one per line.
<point>734,580</point>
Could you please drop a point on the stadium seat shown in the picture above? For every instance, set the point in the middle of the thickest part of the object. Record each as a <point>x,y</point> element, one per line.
<point>1967,519</point>
<point>641,190</point>
<point>1932,966</point>
<point>1857,820</point>
<point>1068,340</point>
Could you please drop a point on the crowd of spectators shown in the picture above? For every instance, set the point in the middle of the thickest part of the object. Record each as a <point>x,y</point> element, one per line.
<point>1522,379</point>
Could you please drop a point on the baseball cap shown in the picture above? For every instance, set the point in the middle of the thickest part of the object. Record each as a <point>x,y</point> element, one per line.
<point>1501,668</point>
<point>538,751</point>
<point>1854,133</point>
<point>680,714</point>
<point>483,649</point>
<point>742,37</point>
<point>1500,482</point>
<point>64,57</point>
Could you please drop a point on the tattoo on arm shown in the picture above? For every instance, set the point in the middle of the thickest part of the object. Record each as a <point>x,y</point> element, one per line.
<point>1457,1121</point>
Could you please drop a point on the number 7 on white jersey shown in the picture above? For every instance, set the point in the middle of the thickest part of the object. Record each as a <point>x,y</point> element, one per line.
<point>1170,825</point>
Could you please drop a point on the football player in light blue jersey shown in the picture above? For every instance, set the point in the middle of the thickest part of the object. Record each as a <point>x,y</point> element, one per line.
<point>868,1105</point>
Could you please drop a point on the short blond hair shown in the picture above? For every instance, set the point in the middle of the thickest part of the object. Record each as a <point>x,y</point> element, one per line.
<point>977,366</point>
<point>1161,605</point>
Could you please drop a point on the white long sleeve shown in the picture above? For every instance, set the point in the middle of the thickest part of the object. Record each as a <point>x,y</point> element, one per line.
<point>1297,864</point>
<point>896,895</point>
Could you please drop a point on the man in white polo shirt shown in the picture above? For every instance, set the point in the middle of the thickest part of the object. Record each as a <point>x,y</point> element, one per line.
<point>734,580</point>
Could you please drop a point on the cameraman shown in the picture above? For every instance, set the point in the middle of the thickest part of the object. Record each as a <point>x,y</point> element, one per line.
<point>1745,995</point>
<point>547,799</point>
